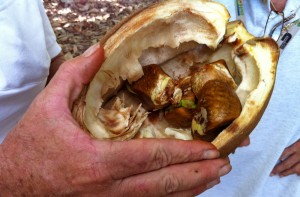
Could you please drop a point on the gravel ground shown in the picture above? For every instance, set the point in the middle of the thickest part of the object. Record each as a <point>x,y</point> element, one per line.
<point>79,24</point>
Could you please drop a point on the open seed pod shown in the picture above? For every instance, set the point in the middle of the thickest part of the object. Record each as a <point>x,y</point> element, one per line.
<point>175,35</point>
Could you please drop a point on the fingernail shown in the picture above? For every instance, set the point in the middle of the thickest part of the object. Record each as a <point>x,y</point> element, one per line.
<point>213,183</point>
<point>225,170</point>
<point>272,174</point>
<point>282,159</point>
<point>91,50</point>
<point>211,154</point>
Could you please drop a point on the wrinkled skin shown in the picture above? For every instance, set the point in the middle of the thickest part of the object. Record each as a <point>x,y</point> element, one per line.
<point>47,154</point>
<point>290,161</point>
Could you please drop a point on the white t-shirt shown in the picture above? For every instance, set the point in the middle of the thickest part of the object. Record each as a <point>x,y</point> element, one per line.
<point>27,45</point>
<point>278,128</point>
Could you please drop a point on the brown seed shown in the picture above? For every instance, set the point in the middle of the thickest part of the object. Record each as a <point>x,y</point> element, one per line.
<point>213,71</point>
<point>155,88</point>
<point>221,103</point>
<point>180,117</point>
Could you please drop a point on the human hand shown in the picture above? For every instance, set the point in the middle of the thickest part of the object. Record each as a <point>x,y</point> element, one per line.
<point>246,142</point>
<point>290,161</point>
<point>48,154</point>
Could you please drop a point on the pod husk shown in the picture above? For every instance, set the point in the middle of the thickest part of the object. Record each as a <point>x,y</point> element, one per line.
<point>207,24</point>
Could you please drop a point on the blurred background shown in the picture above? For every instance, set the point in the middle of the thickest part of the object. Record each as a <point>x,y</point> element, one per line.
<point>79,24</point>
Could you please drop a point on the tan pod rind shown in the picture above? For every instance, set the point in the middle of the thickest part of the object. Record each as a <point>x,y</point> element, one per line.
<point>179,25</point>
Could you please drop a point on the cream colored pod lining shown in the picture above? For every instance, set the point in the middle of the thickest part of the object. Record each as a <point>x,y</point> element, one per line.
<point>160,33</point>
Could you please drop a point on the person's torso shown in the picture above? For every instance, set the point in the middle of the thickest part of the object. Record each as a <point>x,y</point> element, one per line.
<point>279,126</point>
<point>24,58</point>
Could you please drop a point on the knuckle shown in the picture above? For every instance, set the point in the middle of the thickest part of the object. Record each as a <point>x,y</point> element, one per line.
<point>122,187</point>
<point>171,184</point>
<point>161,158</point>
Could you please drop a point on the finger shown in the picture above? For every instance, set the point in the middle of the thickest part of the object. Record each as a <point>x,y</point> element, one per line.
<point>143,155</point>
<point>176,178</point>
<point>287,153</point>
<point>195,191</point>
<point>294,148</point>
<point>286,164</point>
<point>77,72</point>
<point>294,170</point>
<point>246,142</point>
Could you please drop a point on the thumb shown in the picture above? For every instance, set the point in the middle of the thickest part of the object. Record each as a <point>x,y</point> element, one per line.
<point>75,73</point>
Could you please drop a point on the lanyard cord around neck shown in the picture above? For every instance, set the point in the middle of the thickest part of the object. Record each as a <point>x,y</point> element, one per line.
<point>289,30</point>
<point>239,7</point>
